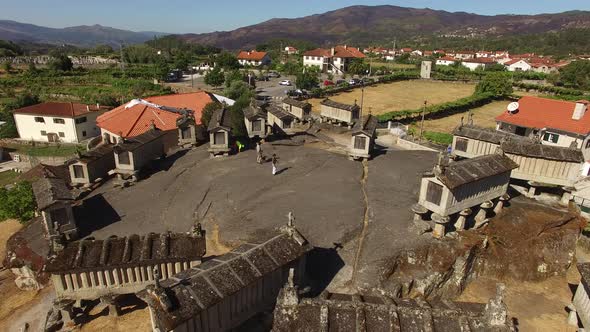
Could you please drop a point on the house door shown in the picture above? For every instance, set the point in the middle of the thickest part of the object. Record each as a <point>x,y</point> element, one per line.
<point>520,131</point>
<point>52,137</point>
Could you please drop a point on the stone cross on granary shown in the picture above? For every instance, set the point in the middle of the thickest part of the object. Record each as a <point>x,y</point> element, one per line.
<point>157,277</point>
<point>291,222</point>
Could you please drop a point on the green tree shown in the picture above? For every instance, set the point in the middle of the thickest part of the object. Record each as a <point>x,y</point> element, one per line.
<point>358,67</point>
<point>495,67</point>
<point>576,75</point>
<point>161,68</point>
<point>308,79</point>
<point>237,115</point>
<point>496,84</point>
<point>208,111</point>
<point>238,89</point>
<point>7,66</point>
<point>60,62</point>
<point>227,60</point>
<point>233,76</point>
<point>8,130</point>
<point>182,61</point>
<point>214,77</point>
<point>17,202</point>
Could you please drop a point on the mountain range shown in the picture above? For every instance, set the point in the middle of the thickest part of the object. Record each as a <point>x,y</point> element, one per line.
<point>371,24</point>
<point>83,35</point>
<point>362,25</point>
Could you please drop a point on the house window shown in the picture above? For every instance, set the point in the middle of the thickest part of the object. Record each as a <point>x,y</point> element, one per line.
<point>360,142</point>
<point>520,131</point>
<point>61,134</point>
<point>587,144</point>
<point>434,193</point>
<point>78,172</point>
<point>186,133</point>
<point>550,137</point>
<point>124,158</point>
<point>257,125</point>
<point>59,121</point>
<point>39,119</point>
<point>219,138</point>
<point>43,133</point>
<point>84,133</point>
<point>81,120</point>
<point>461,144</point>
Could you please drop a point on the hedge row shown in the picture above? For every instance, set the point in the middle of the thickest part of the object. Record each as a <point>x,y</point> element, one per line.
<point>551,89</point>
<point>440,110</point>
<point>345,87</point>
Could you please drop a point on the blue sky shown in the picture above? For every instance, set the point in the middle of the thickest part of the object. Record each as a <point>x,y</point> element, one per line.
<point>196,16</point>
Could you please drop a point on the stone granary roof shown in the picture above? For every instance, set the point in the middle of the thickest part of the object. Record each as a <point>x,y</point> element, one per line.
<point>220,119</point>
<point>486,134</point>
<point>187,293</point>
<point>49,191</point>
<point>130,144</point>
<point>46,171</point>
<point>340,312</point>
<point>584,270</point>
<point>279,112</point>
<point>366,126</point>
<point>470,170</point>
<point>296,103</point>
<point>346,107</point>
<point>96,153</point>
<point>86,255</point>
<point>255,110</point>
<point>536,150</point>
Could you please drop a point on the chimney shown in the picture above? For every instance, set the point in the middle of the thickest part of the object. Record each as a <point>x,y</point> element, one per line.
<point>332,51</point>
<point>345,46</point>
<point>88,108</point>
<point>580,110</point>
<point>97,106</point>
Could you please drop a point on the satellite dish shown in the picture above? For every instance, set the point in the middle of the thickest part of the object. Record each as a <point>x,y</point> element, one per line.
<point>513,107</point>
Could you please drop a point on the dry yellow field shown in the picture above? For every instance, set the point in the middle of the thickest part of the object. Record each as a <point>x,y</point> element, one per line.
<point>399,96</point>
<point>482,116</point>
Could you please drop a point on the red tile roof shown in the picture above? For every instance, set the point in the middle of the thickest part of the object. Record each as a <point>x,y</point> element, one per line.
<point>318,52</point>
<point>66,110</point>
<point>448,58</point>
<point>513,61</point>
<point>251,55</point>
<point>339,52</point>
<point>135,118</point>
<point>480,60</point>
<point>535,112</point>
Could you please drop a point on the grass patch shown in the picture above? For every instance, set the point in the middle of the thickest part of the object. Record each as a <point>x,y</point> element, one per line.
<point>440,138</point>
<point>7,177</point>
<point>41,150</point>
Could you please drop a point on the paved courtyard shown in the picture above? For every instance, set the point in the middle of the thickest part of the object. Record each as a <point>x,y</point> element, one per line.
<point>236,199</point>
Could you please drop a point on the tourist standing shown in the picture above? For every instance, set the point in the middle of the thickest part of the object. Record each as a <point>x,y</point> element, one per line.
<point>258,153</point>
<point>275,160</point>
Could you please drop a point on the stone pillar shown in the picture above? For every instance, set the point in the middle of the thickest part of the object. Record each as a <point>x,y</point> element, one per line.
<point>572,318</point>
<point>111,303</point>
<point>480,217</point>
<point>66,309</point>
<point>532,191</point>
<point>496,312</point>
<point>501,203</point>
<point>439,226</point>
<point>460,224</point>
<point>419,211</point>
<point>567,196</point>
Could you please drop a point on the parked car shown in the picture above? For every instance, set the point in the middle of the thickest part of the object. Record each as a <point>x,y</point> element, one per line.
<point>263,78</point>
<point>328,83</point>
<point>285,82</point>
<point>355,81</point>
<point>340,82</point>
<point>296,93</point>
<point>273,74</point>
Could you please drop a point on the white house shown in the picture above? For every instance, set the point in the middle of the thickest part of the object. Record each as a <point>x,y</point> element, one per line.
<point>473,64</point>
<point>291,50</point>
<point>58,122</point>
<point>446,61</point>
<point>518,65</point>
<point>253,58</point>
<point>334,60</point>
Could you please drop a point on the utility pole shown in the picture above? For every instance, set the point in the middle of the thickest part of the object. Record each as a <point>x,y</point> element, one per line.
<point>422,122</point>
<point>122,59</point>
<point>362,99</point>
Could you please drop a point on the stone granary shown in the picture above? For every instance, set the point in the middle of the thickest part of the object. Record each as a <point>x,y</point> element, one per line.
<point>187,129</point>
<point>299,109</point>
<point>367,313</point>
<point>335,112</point>
<point>54,202</point>
<point>221,294</point>
<point>93,165</point>
<point>458,187</point>
<point>580,307</point>
<point>133,154</point>
<point>280,121</point>
<point>363,138</point>
<point>472,141</point>
<point>92,269</point>
<point>544,165</point>
<point>220,133</point>
<point>255,120</point>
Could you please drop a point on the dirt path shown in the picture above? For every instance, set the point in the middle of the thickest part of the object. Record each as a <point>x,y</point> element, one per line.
<point>363,234</point>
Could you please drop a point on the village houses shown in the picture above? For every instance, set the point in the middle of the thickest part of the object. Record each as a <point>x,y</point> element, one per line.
<point>334,60</point>
<point>253,58</point>
<point>58,122</point>
<point>291,50</point>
